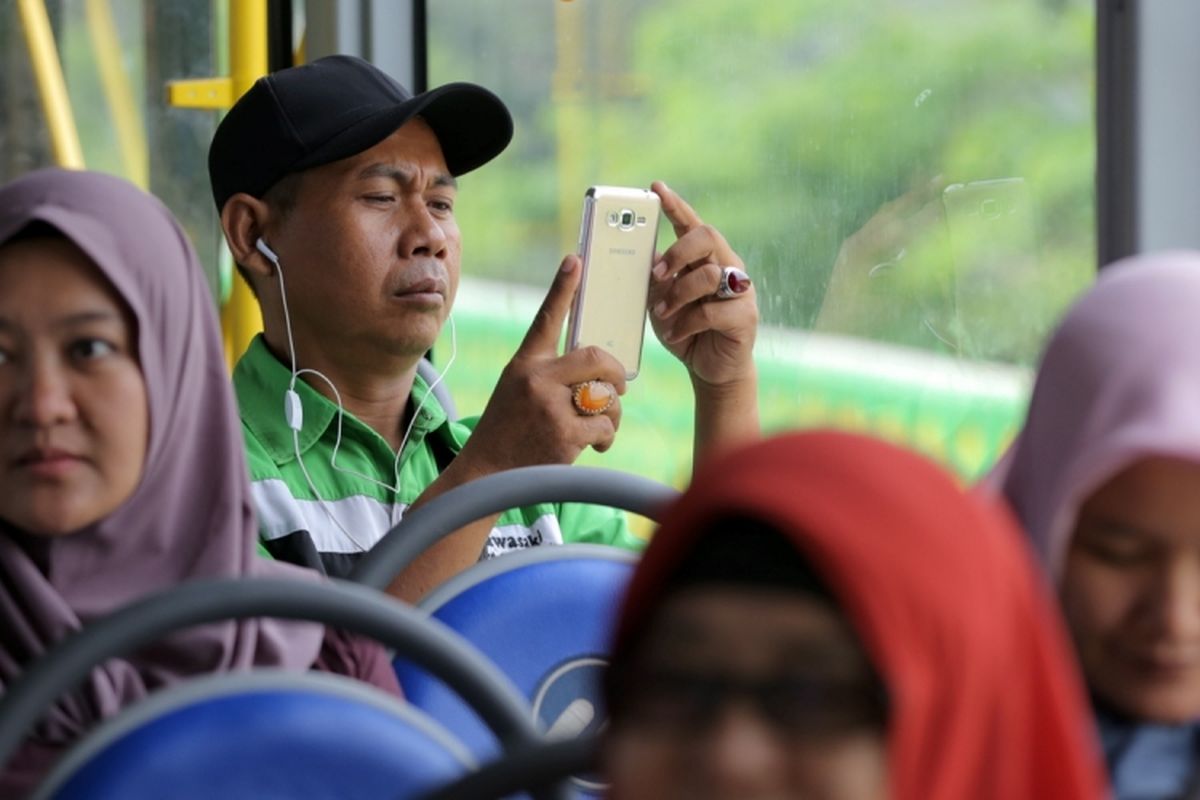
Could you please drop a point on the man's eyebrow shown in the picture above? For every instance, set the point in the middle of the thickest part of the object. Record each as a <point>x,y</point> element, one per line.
<point>403,176</point>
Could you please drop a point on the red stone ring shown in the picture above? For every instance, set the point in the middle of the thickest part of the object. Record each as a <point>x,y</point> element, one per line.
<point>593,397</point>
<point>734,281</point>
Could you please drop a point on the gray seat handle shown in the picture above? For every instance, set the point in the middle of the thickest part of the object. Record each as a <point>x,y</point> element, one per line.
<point>523,769</point>
<point>337,604</point>
<point>462,505</point>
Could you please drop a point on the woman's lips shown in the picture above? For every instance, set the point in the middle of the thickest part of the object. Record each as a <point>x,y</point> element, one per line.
<point>48,463</point>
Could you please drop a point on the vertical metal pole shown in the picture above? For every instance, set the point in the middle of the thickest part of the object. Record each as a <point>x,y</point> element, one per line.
<point>52,87</point>
<point>241,318</point>
<point>127,118</point>
<point>1117,164</point>
<point>570,115</point>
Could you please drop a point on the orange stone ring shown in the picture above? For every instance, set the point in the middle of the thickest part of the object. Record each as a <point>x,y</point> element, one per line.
<point>593,397</point>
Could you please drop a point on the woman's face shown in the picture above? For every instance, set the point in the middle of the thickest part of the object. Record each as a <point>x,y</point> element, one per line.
<point>1131,590</point>
<point>74,417</point>
<point>748,693</point>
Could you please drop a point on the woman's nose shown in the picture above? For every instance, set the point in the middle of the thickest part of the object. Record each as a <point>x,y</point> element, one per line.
<point>44,396</point>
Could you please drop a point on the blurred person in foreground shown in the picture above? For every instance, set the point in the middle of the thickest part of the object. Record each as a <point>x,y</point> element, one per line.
<point>824,615</point>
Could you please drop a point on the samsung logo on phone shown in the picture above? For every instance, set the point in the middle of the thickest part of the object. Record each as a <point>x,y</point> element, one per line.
<point>622,251</point>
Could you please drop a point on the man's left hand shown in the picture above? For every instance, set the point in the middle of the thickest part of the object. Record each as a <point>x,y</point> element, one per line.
<point>713,337</point>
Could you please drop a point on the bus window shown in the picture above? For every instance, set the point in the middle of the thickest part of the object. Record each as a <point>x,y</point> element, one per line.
<point>910,183</point>
<point>114,60</point>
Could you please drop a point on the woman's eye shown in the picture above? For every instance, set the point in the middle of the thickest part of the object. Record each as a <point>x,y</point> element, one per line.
<point>89,349</point>
<point>1115,554</point>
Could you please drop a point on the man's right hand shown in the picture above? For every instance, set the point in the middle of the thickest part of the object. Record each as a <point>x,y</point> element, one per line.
<point>530,418</point>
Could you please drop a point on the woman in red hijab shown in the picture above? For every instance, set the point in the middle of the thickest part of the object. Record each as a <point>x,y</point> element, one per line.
<point>824,615</point>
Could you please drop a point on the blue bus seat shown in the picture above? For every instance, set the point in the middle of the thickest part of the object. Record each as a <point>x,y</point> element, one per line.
<point>544,616</point>
<point>262,735</point>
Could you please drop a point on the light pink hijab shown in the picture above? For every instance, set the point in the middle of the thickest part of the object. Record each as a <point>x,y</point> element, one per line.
<point>190,517</point>
<point>1120,380</point>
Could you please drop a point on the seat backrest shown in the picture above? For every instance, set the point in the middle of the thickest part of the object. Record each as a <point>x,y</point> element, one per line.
<point>543,616</point>
<point>258,735</point>
<point>338,604</point>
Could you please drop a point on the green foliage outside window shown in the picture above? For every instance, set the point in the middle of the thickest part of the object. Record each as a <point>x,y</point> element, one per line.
<point>845,148</point>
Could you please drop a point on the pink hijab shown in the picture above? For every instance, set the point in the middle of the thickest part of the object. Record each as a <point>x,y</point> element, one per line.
<point>1120,380</point>
<point>190,517</point>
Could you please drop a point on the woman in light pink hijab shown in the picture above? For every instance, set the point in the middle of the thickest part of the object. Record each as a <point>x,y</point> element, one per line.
<point>121,465</point>
<point>1105,477</point>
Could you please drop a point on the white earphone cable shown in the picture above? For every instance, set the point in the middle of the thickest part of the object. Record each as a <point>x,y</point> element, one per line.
<point>293,409</point>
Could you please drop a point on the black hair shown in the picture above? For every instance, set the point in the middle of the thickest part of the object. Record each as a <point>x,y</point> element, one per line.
<point>282,195</point>
<point>748,552</point>
<point>36,229</point>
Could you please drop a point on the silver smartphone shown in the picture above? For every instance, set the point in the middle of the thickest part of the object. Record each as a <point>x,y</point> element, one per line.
<point>616,243</point>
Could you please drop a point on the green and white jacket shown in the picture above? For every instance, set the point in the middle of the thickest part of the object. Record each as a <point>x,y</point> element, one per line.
<point>356,503</point>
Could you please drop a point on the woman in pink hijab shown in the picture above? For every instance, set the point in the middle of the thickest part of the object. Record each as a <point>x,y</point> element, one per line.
<point>1105,477</point>
<point>121,468</point>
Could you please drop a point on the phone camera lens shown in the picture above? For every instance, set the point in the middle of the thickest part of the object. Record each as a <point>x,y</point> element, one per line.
<point>626,219</point>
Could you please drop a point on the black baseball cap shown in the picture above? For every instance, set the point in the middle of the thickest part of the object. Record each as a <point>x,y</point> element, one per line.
<point>336,107</point>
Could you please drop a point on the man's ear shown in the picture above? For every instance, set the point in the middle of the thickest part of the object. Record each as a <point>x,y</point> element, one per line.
<point>244,219</point>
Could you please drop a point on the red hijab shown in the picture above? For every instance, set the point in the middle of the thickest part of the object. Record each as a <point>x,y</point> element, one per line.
<point>984,699</point>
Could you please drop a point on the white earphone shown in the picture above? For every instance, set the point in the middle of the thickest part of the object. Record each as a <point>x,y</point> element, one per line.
<point>293,409</point>
<point>262,247</point>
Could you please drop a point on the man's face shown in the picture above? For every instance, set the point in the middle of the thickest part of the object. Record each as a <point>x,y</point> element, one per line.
<point>370,251</point>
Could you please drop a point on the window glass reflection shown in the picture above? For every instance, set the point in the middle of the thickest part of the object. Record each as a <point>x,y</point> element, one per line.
<point>910,181</point>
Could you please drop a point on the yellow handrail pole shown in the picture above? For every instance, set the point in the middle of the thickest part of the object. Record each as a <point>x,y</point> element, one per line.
<point>241,317</point>
<point>52,88</point>
<point>127,118</point>
<point>247,43</point>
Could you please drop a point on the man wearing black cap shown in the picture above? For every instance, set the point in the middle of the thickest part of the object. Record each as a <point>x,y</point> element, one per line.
<point>336,189</point>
